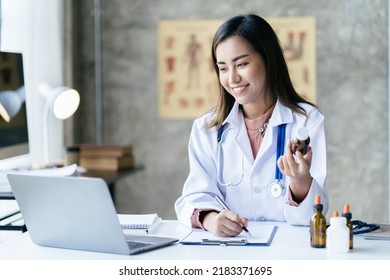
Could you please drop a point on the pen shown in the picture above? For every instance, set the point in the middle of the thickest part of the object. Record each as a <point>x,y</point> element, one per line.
<point>224,206</point>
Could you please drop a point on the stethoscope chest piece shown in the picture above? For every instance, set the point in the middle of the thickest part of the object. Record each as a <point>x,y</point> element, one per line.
<point>276,189</point>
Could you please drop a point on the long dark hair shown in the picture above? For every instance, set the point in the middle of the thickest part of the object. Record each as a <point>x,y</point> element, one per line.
<point>260,35</point>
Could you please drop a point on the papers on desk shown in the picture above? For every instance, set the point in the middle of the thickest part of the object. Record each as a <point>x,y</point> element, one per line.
<point>58,171</point>
<point>383,233</point>
<point>262,235</point>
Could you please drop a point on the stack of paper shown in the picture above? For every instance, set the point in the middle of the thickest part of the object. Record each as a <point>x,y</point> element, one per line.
<point>139,223</point>
<point>383,233</point>
<point>60,171</point>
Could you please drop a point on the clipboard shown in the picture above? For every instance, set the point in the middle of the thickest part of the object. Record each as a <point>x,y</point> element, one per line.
<point>262,235</point>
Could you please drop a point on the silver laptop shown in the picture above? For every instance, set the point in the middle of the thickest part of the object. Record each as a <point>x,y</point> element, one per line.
<point>75,213</point>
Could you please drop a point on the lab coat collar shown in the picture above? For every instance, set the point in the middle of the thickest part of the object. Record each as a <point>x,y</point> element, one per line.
<point>281,114</point>
<point>235,116</point>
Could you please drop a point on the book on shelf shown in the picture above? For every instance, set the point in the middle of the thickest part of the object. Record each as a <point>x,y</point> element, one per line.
<point>107,163</point>
<point>105,150</point>
<point>139,223</point>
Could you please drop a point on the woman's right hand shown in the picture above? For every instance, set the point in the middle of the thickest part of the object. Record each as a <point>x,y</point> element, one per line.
<point>225,223</point>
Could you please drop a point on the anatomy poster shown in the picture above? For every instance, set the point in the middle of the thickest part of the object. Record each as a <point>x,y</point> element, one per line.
<point>188,85</point>
<point>297,36</point>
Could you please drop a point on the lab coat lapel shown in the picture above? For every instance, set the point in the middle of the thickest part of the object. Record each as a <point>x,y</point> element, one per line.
<point>242,140</point>
<point>236,118</point>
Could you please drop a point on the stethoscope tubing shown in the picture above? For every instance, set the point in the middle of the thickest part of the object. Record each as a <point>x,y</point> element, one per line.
<point>279,152</point>
<point>219,149</point>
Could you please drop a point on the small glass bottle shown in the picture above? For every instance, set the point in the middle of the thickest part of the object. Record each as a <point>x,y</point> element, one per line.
<point>301,140</point>
<point>318,226</point>
<point>348,215</point>
<point>337,235</point>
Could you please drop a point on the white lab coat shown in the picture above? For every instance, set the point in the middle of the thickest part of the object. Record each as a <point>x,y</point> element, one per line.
<point>251,197</point>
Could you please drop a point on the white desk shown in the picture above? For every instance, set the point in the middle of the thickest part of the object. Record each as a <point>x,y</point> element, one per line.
<point>289,243</point>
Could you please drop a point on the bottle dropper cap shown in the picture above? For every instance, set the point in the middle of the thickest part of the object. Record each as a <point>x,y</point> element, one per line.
<point>346,212</point>
<point>335,219</point>
<point>302,133</point>
<point>317,203</point>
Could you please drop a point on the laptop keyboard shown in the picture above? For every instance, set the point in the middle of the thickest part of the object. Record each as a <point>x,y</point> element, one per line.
<point>136,244</point>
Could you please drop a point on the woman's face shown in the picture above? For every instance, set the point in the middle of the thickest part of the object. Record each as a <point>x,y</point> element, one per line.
<point>242,74</point>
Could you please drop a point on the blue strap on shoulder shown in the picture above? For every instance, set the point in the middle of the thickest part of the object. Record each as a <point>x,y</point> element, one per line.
<point>280,149</point>
<point>220,131</point>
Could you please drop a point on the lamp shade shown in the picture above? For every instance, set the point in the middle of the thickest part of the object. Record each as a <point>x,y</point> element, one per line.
<point>62,101</point>
<point>10,104</point>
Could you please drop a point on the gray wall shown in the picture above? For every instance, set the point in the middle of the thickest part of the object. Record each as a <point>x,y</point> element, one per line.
<point>352,93</point>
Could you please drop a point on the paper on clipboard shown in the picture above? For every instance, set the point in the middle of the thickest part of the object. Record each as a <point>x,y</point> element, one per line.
<point>262,235</point>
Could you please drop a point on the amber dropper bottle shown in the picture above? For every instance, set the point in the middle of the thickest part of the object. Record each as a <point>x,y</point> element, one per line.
<point>318,226</point>
<point>348,215</point>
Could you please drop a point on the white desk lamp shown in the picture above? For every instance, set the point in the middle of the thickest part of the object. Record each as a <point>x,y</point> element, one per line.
<point>62,102</point>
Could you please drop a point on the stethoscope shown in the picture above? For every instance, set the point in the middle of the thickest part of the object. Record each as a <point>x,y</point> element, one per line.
<point>360,227</point>
<point>276,188</point>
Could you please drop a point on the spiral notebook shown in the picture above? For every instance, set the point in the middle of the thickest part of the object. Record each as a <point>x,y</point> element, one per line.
<point>146,223</point>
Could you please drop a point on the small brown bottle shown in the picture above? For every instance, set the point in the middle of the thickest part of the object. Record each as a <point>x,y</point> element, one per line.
<point>318,226</point>
<point>348,215</point>
<point>301,140</point>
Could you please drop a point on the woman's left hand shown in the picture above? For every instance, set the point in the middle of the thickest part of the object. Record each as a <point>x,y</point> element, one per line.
<point>298,169</point>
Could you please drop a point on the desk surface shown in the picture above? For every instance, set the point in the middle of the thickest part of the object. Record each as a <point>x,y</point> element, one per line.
<point>290,242</point>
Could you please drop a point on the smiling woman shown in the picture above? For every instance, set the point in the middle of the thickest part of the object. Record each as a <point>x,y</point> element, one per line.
<point>257,113</point>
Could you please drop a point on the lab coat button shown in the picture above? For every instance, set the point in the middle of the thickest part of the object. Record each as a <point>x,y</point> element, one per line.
<point>257,190</point>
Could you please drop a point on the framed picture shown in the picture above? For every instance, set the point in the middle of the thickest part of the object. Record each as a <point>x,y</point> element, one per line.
<point>188,85</point>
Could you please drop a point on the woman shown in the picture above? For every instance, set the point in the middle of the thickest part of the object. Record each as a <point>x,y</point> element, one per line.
<point>233,149</point>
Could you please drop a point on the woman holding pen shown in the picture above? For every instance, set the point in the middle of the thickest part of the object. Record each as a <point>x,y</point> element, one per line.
<point>241,151</point>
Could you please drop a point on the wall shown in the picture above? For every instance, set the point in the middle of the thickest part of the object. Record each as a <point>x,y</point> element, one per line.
<point>352,93</point>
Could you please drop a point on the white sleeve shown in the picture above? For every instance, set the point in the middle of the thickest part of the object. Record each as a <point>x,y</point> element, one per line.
<point>200,186</point>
